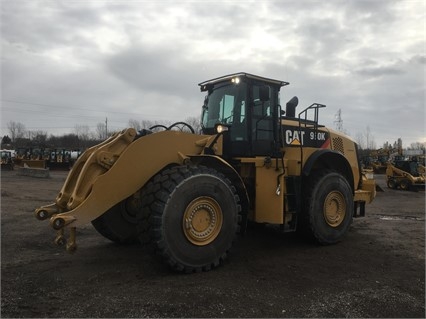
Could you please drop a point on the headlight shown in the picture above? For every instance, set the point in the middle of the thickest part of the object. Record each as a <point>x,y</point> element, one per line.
<point>221,128</point>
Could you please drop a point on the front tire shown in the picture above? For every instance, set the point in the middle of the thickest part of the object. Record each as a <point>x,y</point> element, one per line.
<point>329,207</point>
<point>193,216</point>
<point>118,224</point>
<point>404,184</point>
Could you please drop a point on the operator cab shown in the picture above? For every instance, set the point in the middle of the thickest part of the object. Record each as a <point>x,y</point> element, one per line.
<point>245,108</point>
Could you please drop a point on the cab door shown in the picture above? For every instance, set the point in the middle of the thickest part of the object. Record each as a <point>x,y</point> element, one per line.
<point>263,120</point>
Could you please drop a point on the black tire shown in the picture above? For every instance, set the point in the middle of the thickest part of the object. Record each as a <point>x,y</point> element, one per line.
<point>328,209</point>
<point>391,183</point>
<point>118,224</point>
<point>190,216</point>
<point>404,184</point>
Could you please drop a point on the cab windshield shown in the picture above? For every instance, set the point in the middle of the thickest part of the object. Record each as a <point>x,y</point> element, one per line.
<point>225,105</point>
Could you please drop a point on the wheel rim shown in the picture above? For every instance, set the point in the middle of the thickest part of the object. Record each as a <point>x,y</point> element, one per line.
<point>334,209</point>
<point>202,221</point>
<point>391,183</point>
<point>404,184</point>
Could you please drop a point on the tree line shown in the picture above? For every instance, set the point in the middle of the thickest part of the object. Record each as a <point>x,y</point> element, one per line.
<point>81,138</point>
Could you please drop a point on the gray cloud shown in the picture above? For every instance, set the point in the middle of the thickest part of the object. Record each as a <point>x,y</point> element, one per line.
<point>85,61</point>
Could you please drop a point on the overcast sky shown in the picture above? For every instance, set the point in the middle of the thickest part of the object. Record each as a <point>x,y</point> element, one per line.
<point>68,63</point>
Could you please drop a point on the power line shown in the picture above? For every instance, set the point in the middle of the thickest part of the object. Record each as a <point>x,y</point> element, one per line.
<point>55,106</point>
<point>18,110</point>
<point>51,117</point>
<point>66,107</point>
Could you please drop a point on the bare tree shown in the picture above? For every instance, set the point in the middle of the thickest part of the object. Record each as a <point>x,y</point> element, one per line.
<point>101,131</point>
<point>16,130</point>
<point>195,122</point>
<point>139,125</point>
<point>418,146</point>
<point>39,138</point>
<point>70,141</point>
<point>161,125</point>
<point>359,138</point>
<point>135,124</point>
<point>82,131</point>
<point>146,124</point>
<point>370,143</point>
<point>6,140</point>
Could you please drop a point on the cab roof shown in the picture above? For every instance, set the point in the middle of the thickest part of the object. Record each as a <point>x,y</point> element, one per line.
<point>206,84</point>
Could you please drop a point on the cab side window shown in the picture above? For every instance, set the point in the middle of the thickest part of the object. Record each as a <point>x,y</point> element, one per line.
<point>261,117</point>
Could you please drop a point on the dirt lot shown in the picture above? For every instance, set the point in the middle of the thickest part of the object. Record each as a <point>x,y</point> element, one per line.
<point>378,271</point>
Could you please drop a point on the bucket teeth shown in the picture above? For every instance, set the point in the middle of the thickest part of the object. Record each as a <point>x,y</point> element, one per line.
<point>60,239</point>
<point>70,244</point>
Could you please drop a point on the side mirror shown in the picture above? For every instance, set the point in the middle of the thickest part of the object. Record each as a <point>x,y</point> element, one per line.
<point>264,93</point>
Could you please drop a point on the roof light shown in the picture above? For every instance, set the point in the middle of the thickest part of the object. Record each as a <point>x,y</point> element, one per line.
<point>235,80</point>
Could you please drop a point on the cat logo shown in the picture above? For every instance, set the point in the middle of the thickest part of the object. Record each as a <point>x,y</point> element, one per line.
<point>294,137</point>
<point>295,142</point>
<point>304,137</point>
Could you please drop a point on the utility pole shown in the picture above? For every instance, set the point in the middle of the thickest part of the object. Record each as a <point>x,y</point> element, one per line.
<point>106,127</point>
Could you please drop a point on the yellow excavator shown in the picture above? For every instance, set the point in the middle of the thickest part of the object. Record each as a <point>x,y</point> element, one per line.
<point>187,195</point>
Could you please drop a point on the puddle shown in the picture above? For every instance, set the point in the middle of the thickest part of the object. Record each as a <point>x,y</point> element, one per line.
<point>399,218</point>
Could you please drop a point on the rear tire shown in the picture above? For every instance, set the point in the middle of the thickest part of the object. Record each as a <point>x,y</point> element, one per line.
<point>329,207</point>
<point>118,224</point>
<point>191,216</point>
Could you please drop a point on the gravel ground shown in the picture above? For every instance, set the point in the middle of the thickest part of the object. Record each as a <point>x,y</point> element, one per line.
<point>377,271</point>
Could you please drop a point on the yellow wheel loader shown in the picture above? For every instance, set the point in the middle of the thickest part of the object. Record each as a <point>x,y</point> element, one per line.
<point>405,175</point>
<point>188,195</point>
